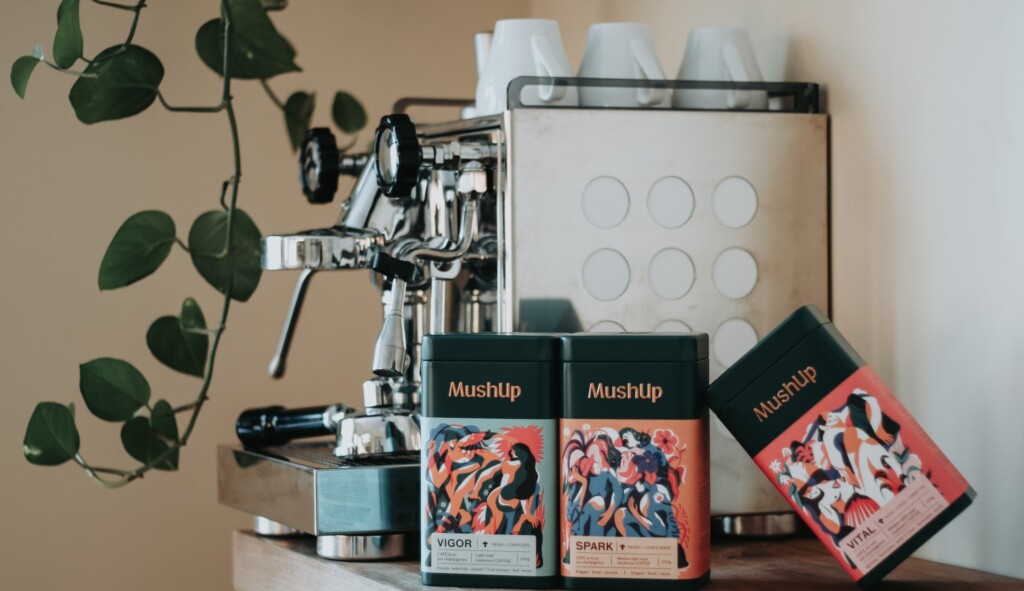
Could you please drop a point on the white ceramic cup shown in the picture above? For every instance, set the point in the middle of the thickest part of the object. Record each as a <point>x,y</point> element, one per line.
<point>621,50</point>
<point>720,54</point>
<point>524,47</point>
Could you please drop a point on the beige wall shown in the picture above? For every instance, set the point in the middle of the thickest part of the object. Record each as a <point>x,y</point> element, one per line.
<point>64,190</point>
<point>927,179</point>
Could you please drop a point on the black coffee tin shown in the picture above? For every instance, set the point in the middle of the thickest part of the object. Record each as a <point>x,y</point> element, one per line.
<point>634,462</point>
<point>849,458</point>
<point>489,492</point>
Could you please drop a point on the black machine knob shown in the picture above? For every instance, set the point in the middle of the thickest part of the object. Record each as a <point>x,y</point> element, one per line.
<point>398,155</point>
<point>393,268</point>
<point>319,165</point>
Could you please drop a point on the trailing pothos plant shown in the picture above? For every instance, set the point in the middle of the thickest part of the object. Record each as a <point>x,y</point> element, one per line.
<point>224,244</point>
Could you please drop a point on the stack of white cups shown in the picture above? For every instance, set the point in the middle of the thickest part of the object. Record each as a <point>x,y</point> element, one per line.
<point>533,47</point>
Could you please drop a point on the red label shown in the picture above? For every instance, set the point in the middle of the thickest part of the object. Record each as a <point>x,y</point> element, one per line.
<point>635,498</point>
<point>861,472</point>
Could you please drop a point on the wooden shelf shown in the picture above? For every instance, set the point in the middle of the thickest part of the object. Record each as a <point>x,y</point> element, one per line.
<point>282,564</point>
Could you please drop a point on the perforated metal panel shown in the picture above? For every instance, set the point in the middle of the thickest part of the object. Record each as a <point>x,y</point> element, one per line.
<point>647,220</point>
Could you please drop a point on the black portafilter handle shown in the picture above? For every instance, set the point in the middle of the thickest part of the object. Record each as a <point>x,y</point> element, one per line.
<point>277,425</point>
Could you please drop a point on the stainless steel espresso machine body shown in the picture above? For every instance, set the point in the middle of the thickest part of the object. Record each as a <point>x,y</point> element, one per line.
<point>548,219</point>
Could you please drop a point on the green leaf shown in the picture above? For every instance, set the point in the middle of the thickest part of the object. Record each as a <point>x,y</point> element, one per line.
<point>143,444</point>
<point>298,112</point>
<point>68,44</point>
<point>171,342</point>
<point>125,84</point>
<point>113,389</point>
<point>163,421</point>
<point>348,113</point>
<point>138,248</point>
<point>51,437</point>
<point>21,71</point>
<point>238,269</point>
<point>257,50</point>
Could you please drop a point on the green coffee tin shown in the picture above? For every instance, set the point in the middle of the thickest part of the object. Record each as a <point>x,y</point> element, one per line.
<point>489,460</point>
<point>849,458</point>
<point>635,502</point>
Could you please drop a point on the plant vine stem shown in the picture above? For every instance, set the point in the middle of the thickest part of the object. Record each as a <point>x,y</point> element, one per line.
<point>197,405</point>
<point>114,5</point>
<point>137,9</point>
<point>214,109</point>
<point>94,473</point>
<point>270,92</point>
<point>69,71</point>
<point>183,407</point>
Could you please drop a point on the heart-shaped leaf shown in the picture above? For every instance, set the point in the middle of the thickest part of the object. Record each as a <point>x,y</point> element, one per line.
<point>163,421</point>
<point>174,342</point>
<point>51,437</point>
<point>68,44</point>
<point>238,269</point>
<point>298,112</point>
<point>139,247</point>
<point>348,113</point>
<point>143,444</point>
<point>256,51</point>
<point>21,71</point>
<point>113,389</point>
<point>125,84</point>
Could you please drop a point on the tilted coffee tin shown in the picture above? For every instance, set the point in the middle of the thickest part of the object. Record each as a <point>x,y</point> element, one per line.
<point>848,457</point>
<point>634,462</point>
<point>489,461</point>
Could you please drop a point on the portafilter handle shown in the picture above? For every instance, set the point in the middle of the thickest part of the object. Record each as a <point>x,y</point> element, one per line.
<point>276,425</point>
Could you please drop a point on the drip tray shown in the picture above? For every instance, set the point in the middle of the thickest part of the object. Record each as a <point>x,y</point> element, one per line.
<point>305,487</point>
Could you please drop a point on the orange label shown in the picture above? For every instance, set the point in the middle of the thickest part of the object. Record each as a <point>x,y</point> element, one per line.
<point>861,472</point>
<point>635,498</point>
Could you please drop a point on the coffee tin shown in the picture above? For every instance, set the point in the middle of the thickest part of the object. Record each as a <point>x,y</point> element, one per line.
<point>489,460</point>
<point>635,505</point>
<point>849,458</point>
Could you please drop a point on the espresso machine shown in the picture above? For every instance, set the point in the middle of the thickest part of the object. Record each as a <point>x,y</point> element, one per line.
<point>540,218</point>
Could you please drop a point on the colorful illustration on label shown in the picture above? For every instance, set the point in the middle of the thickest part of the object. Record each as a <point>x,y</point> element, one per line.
<point>483,481</point>
<point>628,479</point>
<point>862,472</point>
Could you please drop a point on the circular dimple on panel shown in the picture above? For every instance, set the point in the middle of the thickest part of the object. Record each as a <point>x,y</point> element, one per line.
<point>733,338</point>
<point>673,326</point>
<point>734,202</point>
<point>735,273</point>
<point>605,274</point>
<point>670,202</point>
<point>607,326</point>
<point>671,274</point>
<point>605,202</point>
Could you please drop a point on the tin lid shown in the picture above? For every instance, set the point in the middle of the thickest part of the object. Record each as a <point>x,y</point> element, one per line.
<point>635,347</point>
<point>770,349</point>
<point>490,346</point>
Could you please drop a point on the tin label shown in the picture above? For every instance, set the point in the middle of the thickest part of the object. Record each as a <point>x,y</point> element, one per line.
<point>645,558</point>
<point>486,501</point>
<point>635,498</point>
<point>484,554</point>
<point>861,472</point>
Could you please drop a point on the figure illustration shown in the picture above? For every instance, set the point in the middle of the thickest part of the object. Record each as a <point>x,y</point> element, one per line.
<point>481,481</point>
